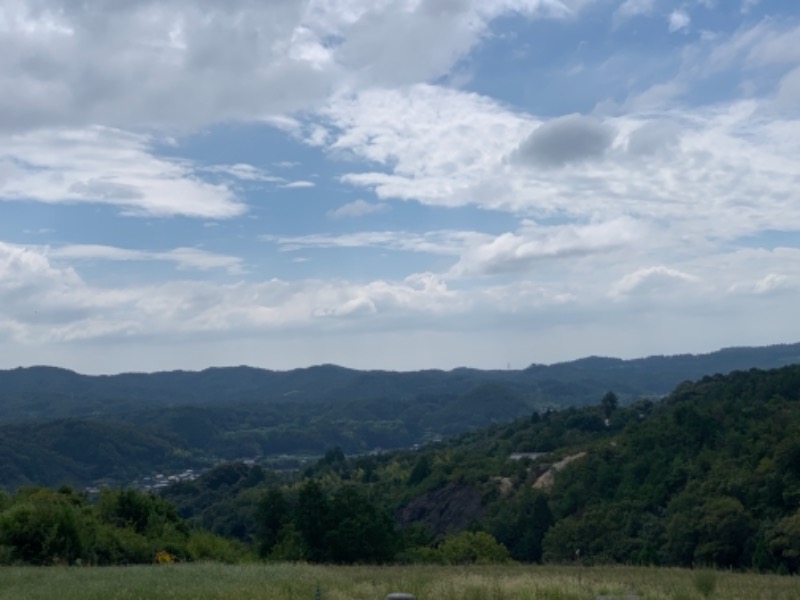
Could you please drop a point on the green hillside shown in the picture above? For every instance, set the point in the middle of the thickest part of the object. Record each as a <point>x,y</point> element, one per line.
<point>59,427</point>
<point>708,476</point>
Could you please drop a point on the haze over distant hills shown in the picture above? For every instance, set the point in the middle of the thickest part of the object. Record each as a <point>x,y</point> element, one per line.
<point>57,426</point>
<point>47,392</point>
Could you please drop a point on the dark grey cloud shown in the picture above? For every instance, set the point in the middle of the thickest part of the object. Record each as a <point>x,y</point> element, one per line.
<point>568,139</point>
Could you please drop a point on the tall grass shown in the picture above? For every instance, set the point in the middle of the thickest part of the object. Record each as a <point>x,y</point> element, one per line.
<point>214,581</point>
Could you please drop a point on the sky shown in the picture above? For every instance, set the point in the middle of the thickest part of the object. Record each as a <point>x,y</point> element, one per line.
<point>395,184</point>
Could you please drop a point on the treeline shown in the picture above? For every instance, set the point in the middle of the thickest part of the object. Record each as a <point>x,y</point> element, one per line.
<point>62,527</point>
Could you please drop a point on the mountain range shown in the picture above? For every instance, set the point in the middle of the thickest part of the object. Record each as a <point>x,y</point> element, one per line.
<point>58,426</point>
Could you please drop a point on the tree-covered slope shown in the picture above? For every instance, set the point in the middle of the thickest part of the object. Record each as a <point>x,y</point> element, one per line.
<point>708,476</point>
<point>60,427</point>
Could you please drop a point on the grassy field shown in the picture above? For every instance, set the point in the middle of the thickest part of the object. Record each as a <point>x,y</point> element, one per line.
<point>300,582</point>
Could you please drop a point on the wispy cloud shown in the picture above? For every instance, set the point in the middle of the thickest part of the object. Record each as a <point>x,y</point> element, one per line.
<point>183,258</point>
<point>633,8</point>
<point>245,172</point>
<point>298,185</point>
<point>358,208</point>
<point>434,242</point>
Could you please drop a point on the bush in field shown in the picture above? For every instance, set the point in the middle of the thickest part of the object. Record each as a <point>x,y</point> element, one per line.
<point>470,547</point>
<point>289,547</point>
<point>120,546</point>
<point>203,545</point>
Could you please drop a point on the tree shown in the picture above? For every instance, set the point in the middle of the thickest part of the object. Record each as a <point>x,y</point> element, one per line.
<point>311,518</point>
<point>784,542</point>
<point>724,528</point>
<point>272,514</point>
<point>145,514</point>
<point>609,403</point>
<point>522,524</point>
<point>359,531</point>
<point>421,470</point>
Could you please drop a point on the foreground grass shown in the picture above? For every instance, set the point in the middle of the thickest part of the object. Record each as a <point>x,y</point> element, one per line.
<point>299,582</point>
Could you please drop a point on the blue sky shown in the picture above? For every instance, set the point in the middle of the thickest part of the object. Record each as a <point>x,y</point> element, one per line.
<point>395,184</point>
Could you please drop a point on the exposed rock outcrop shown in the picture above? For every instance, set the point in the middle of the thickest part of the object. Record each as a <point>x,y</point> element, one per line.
<point>451,508</point>
<point>546,480</point>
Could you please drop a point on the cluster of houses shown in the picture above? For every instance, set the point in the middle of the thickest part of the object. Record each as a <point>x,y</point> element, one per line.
<point>160,481</point>
<point>153,483</point>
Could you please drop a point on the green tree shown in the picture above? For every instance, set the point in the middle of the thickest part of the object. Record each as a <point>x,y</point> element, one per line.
<point>145,513</point>
<point>422,468</point>
<point>784,542</point>
<point>359,531</point>
<point>312,515</point>
<point>609,403</point>
<point>273,515</point>
<point>724,528</point>
<point>521,525</point>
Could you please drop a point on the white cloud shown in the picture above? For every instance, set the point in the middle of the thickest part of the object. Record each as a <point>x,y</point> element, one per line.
<point>649,280</point>
<point>633,8</point>
<point>107,166</point>
<point>433,242</point>
<point>241,60</point>
<point>358,208</point>
<point>184,64</point>
<point>771,283</point>
<point>184,258</point>
<point>51,314</point>
<point>529,249</point>
<point>721,171</point>
<point>245,172</point>
<point>296,185</point>
<point>49,303</point>
<point>679,20</point>
<point>437,143</point>
<point>534,244</point>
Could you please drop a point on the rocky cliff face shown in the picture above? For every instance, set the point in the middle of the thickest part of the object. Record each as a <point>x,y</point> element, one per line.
<point>449,509</point>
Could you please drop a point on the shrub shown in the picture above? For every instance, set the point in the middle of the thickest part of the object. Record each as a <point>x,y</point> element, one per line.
<point>470,547</point>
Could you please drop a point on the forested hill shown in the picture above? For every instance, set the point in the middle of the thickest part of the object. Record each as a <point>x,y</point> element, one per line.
<point>709,476</point>
<point>49,392</point>
<point>58,427</point>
